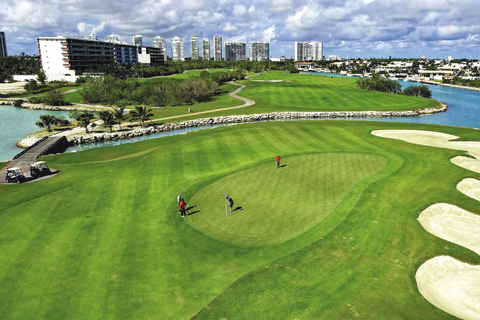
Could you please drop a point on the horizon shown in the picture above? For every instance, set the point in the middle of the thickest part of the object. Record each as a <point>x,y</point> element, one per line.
<point>368,28</point>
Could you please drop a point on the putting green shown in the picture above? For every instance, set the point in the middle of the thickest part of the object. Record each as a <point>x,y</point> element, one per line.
<point>275,205</point>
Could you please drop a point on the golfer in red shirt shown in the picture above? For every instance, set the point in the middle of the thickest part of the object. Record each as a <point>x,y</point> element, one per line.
<point>182,208</point>
<point>278,161</point>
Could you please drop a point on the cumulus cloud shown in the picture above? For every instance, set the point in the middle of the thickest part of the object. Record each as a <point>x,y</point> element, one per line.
<point>365,27</point>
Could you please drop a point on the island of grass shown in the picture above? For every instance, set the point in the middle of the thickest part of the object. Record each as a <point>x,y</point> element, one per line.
<point>332,234</point>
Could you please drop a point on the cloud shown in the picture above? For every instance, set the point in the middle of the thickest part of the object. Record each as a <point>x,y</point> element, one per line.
<point>362,26</point>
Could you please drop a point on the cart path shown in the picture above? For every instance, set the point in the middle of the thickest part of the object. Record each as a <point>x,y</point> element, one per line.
<point>29,157</point>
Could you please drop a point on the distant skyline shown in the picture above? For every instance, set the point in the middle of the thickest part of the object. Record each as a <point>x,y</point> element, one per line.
<point>359,28</point>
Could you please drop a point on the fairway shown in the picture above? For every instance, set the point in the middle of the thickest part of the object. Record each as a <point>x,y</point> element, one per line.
<point>278,205</point>
<point>333,234</point>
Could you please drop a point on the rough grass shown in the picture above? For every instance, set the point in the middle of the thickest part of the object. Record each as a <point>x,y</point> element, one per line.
<point>103,239</point>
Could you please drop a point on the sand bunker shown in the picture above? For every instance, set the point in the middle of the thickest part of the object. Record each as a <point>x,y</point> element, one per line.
<point>453,224</point>
<point>470,187</point>
<point>447,283</point>
<point>451,285</point>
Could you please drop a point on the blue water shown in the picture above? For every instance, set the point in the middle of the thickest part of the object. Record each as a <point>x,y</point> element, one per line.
<point>463,106</point>
<point>18,123</point>
<point>463,111</point>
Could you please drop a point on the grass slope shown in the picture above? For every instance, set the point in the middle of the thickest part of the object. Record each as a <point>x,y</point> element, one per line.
<point>104,240</point>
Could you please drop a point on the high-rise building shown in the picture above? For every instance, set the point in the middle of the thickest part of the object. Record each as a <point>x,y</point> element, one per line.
<point>217,47</point>
<point>308,50</point>
<point>194,47</point>
<point>206,49</point>
<point>137,40</point>
<point>178,49</point>
<point>150,55</point>
<point>113,38</point>
<point>91,36</point>
<point>159,42</point>
<point>3,45</point>
<point>235,51</point>
<point>259,51</point>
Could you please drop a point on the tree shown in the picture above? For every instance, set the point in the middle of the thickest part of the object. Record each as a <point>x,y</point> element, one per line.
<point>418,91</point>
<point>84,119</point>
<point>41,76</point>
<point>118,115</point>
<point>55,98</point>
<point>142,114</point>
<point>47,121</point>
<point>108,118</point>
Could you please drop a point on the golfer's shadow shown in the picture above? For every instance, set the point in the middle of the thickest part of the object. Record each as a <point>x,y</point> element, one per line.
<point>235,211</point>
<point>190,213</point>
<point>283,165</point>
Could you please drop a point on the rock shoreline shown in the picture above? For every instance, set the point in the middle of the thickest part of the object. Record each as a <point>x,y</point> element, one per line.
<point>249,118</point>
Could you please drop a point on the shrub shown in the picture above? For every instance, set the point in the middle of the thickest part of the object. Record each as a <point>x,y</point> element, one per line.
<point>418,91</point>
<point>18,103</point>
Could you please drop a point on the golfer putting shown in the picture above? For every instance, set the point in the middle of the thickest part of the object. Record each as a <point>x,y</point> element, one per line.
<point>229,202</point>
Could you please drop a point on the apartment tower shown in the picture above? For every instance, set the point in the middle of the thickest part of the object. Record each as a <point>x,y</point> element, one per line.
<point>205,49</point>
<point>159,42</point>
<point>259,51</point>
<point>3,45</point>
<point>194,48</point>
<point>235,51</point>
<point>308,50</point>
<point>137,40</point>
<point>217,47</point>
<point>178,49</point>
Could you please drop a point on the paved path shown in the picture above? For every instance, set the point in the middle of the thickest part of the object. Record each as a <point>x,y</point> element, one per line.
<point>247,103</point>
<point>29,157</point>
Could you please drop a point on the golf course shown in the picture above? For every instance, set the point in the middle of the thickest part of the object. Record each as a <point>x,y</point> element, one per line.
<point>331,234</point>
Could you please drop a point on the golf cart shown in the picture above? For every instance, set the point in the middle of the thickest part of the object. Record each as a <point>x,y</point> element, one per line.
<point>39,169</point>
<point>14,174</point>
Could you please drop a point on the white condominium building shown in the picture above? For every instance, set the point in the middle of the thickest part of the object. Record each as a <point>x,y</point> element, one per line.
<point>308,50</point>
<point>137,40</point>
<point>205,49</point>
<point>91,36</point>
<point>235,51</point>
<point>113,38</point>
<point>159,42</point>
<point>259,51</point>
<point>217,47</point>
<point>178,49</point>
<point>194,47</point>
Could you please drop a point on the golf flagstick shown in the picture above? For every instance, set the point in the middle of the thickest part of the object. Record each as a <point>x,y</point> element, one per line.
<point>226,206</point>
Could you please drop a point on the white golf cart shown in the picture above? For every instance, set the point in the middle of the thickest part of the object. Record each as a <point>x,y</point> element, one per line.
<point>39,169</point>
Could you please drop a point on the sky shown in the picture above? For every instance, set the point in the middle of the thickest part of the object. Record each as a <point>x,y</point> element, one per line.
<point>353,28</point>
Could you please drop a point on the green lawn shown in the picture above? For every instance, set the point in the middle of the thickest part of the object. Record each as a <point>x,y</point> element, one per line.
<point>104,240</point>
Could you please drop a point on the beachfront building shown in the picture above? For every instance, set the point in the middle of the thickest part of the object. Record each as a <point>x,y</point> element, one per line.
<point>259,51</point>
<point>137,40</point>
<point>159,42</point>
<point>206,49</point>
<point>194,48</point>
<point>178,49</point>
<point>91,36</point>
<point>308,50</point>
<point>3,45</point>
<point>124,53</point>
<point>217,47</point>
<point>150,55</point>
<point>62,58</point>
<point>235,50</point>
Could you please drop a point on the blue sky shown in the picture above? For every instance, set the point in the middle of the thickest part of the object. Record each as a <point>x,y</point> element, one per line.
<point>359,28</point>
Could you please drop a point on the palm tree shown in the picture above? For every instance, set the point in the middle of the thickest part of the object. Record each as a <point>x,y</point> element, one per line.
<point>108,118</point>
<point>47,121</point>
<point>141,113</point>
<point>84,120</point>
<point>118,115</point>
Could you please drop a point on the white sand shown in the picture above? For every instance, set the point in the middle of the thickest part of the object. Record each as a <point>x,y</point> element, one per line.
<point>447,283</point>
<point>451,285</point>
<point>12,87</point>
<point>453,224</point>
<point>470,187</point>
